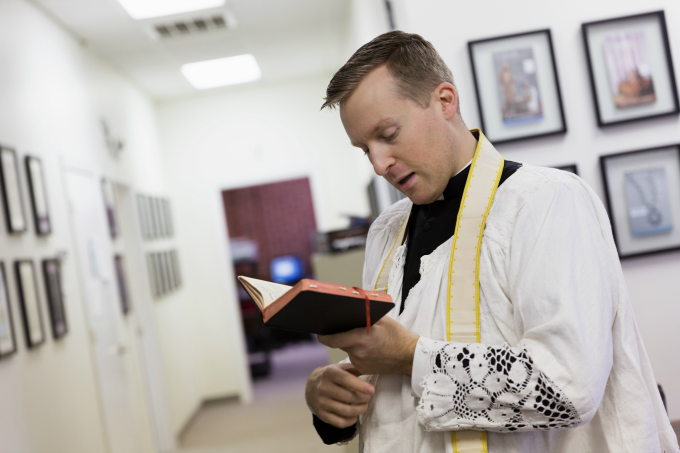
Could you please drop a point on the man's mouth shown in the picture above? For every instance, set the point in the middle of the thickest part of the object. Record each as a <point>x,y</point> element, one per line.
<point>406,178</point>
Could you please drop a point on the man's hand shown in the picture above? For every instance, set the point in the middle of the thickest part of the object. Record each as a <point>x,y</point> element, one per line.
<point>388,349</point>
<point>337,395</point>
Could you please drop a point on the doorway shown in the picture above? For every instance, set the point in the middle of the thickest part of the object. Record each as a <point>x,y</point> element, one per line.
<point>124,410</point>
<point>272,232</point>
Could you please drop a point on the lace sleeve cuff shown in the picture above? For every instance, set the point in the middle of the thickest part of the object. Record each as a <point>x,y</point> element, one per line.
<point>490,388</point>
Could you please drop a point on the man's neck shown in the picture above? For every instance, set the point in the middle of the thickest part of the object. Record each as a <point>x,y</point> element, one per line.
<point>465,151</point>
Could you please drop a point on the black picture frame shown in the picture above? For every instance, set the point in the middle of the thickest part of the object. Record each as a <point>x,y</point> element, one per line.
<point>7,333</point>
<point>599,98</point>
<point>174,258</point>
<point>571,168</point>
<point>612,199</point>
<point>55,296</point>
<point>38,194</point>
<point>109,197</point>
<point>29,301</point>
<point>12,197</point>
<point>121,279</point>
<point>155,218</point>
<point>479,87</point>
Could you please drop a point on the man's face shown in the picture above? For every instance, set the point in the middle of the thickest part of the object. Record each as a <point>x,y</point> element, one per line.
<point>408,145</point>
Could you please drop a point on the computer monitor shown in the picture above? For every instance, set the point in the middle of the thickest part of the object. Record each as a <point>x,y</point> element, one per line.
<point>285,269</point>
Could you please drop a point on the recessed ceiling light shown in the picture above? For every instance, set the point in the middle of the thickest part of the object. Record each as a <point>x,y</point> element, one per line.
<point>146,9</point>
<point>221,72</point>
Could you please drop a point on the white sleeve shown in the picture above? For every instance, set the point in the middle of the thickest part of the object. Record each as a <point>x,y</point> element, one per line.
<point>421,368</point>
<point>562,283</point>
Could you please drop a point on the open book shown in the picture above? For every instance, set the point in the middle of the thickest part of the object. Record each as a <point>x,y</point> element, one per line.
<point>316,307</point>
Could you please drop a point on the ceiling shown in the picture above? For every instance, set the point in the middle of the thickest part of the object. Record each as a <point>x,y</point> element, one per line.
<point>289,38</point>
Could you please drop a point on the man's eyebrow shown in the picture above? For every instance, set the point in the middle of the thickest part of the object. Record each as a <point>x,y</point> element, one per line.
<point>381,123</point>
<point>377,126</point>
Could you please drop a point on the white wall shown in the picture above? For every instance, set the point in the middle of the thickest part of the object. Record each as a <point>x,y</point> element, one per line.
<point>239,136</point>
<point>53,94</point>
<point>653,281</point>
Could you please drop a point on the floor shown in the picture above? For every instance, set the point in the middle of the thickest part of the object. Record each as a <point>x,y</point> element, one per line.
<point>277,421</point>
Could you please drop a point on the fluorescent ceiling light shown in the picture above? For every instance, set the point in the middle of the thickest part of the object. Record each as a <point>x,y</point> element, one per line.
<point>146,9</point>
<point>221,72</point>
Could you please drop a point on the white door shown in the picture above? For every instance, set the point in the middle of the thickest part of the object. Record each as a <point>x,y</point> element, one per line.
<point>94,256</point>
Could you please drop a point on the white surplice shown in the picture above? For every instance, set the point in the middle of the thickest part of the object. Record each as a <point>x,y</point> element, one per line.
<point>561,367</point>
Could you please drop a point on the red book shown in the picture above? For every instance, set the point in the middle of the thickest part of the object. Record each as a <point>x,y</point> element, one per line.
<point>316,307</point>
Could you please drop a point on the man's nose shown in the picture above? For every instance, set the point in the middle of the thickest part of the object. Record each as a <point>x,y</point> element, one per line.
<point>381,159</point>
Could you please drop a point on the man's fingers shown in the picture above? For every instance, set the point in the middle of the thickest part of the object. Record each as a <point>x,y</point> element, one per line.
<point>347,366</point>
<point>341,394</point>
<point>344,378</point>
<point>342,409</point>
<point>342,340</point>
<point>336,420</point>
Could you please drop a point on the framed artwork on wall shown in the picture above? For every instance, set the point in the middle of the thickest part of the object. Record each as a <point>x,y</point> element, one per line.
<point>110,205</point>
<point>162,218</point>
<point>30,302</point>
<point>570,168</point>
<point>8,344</point>
<point>156,217</point>
<point>642,191</point>
<point>631,70</point>
<point>11,191</point>
<point>175,263</point>
<point>55,296</point>
<point>160,279</point>
<point>171,271</point>
<point>517,86</point>
<point>121,278</point>
<point>38,192</point>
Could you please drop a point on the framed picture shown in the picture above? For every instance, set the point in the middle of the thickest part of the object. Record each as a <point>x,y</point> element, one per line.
<point>36,187</point>
<point>570,168</point>
<point>55,296</point>
<point>168,218</point>
<point>176,268</point>
<point>171,271</point>
<point>30,302</point>
<point>11,191</point>
<point>121,278</point>
<point>155,218</point>
<point>160,275</point>
<point>642,189</point>
<point>8,344</point>
<point>631,70</point>
<point>162,215</point>
<point>517,87</point>
<point>110,205</point>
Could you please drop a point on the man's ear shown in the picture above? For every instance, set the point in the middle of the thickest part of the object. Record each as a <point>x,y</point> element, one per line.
<point>447,98</point>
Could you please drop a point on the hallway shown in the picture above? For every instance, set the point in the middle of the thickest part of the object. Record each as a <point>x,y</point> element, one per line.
<point>284,423</point>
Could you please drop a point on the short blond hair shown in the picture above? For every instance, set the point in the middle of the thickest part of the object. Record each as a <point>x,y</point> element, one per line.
<point>411,60</point>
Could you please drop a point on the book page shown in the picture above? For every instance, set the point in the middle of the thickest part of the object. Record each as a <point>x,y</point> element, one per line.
<point>263,292</point>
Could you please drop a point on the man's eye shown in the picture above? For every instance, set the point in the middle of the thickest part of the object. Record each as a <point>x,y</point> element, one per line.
<point>391,136</point>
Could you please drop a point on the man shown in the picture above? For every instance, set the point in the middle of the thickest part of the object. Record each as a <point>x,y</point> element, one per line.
<point>550,358</point>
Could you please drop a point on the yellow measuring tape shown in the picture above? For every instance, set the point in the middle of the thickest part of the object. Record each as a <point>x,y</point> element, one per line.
<point>462,298</point>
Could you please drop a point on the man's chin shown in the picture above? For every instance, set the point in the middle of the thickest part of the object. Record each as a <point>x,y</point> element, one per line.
<point>420,198</point>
